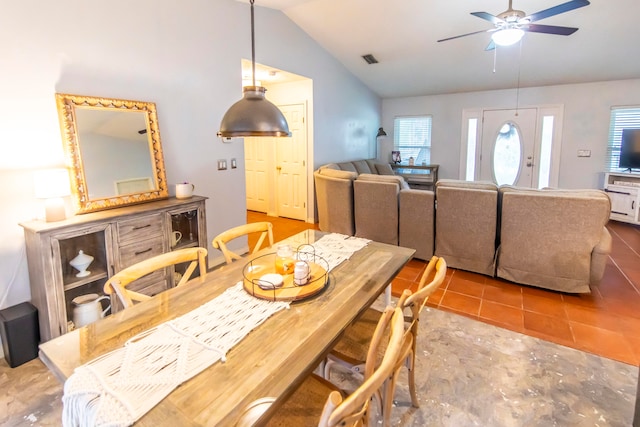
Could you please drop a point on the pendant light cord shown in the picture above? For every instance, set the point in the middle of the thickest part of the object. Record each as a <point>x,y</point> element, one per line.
<point>253,48</point>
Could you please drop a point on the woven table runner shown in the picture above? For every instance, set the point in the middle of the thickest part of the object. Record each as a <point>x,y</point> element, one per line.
<point>336,248</point>
<point>118,388</point>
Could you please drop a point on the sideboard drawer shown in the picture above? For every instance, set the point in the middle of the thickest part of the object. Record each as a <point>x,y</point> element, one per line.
<point>139,228</point>
<point>135,252</point>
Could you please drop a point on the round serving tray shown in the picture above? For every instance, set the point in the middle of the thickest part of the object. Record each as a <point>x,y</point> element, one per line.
<point>258,267</point>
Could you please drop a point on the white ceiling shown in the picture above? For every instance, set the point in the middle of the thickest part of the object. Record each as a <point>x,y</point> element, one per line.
<point>403,34</point>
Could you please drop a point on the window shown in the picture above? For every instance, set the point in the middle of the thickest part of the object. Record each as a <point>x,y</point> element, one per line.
<point>546,145</point>
<point>412,137</point>
<point>621,118</point>
<point>472,131</point>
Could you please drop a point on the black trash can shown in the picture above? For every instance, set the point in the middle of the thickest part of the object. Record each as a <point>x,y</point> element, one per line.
<point>20,333</point>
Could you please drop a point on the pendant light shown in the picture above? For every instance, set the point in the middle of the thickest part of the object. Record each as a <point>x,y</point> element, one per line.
<point>253,115</point>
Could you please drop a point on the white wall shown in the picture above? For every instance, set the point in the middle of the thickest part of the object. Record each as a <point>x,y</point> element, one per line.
<point>587,109</point>
<point>184,56</point>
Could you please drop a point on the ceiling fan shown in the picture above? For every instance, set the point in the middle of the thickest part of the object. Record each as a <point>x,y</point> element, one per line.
<point>511,24</point>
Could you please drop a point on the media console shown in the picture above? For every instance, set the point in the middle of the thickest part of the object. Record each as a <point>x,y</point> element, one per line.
<point>623,189</point>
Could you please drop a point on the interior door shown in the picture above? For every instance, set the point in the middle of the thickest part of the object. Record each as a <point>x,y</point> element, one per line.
<point>291,165</point>
<point>256,160</point>
<point>508,147</point>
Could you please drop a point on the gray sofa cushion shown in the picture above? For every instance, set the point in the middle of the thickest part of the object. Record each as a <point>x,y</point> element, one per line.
<point>476,185</point>
<point>348,166</point>
<point>333,173</point>
<point>362,166</point>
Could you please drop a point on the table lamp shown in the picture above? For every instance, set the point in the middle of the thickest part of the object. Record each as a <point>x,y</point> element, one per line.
<point>52,185</point>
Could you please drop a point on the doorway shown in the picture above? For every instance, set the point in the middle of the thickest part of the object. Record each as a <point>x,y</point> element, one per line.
<point>276,169</point>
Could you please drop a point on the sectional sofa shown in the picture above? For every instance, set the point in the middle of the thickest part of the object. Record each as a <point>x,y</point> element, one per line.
<point>550,238</point>
<point>365,199</point>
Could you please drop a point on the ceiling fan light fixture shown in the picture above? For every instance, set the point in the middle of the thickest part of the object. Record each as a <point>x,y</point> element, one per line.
<point>507,37</point>
<point>253,115</point>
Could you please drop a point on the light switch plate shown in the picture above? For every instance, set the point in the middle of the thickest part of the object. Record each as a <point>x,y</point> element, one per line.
<point>222,164</point>
<point>584,153</point>
<point>234,164</point>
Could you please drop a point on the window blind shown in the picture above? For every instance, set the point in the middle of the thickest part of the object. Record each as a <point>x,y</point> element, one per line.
<point>412,137</point>
<point>621,118</point>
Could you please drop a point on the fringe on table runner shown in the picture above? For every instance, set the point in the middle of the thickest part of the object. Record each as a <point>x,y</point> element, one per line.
<point>118,388</point>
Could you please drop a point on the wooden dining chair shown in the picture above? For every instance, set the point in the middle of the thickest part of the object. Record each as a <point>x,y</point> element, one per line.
<point>119,282</point>
<point>221,240</point>
<point>352,349</point>
<point>318,402</point>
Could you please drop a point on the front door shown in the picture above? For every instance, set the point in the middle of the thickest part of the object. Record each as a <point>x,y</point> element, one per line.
<point>508,147</point>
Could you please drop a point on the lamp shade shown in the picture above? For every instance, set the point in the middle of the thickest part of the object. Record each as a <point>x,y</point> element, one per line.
<point>51,183</point>
<point>253,115</point>
<point>507,37</point>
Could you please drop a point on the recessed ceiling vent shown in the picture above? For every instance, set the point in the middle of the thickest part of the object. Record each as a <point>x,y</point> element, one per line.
<point>370,59</point>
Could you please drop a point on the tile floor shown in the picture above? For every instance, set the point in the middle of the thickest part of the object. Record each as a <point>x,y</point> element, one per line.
<point>606,322</point>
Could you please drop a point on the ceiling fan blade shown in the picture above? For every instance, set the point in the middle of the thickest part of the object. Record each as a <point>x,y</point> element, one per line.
<point>549,29</point>
<point>464,35</point>
<point>489,17</point>
<point>555,10</point>
<point>490,46</point>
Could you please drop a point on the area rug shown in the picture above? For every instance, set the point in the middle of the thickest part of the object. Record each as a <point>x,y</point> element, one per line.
<point>473,374</point>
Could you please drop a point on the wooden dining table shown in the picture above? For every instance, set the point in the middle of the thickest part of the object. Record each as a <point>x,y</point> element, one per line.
<point>270,362</point>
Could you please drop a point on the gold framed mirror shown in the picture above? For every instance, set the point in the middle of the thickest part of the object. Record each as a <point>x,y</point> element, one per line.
<point>113,151</point>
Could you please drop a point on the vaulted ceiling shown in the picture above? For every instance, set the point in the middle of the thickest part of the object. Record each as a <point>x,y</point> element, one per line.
<point>402,35</point>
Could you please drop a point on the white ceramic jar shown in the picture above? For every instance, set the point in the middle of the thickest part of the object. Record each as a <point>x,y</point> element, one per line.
<point>301,273</point>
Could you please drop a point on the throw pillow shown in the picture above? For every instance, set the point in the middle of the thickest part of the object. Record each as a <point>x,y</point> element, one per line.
<point>384,169</point>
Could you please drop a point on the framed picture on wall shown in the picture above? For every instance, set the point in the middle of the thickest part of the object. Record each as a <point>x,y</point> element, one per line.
<point>395,157</point>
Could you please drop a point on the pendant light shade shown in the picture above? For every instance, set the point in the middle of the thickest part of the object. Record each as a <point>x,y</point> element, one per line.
<point>253,115</point>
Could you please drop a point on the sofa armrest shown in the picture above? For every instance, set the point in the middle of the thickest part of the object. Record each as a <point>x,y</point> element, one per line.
<point>417,217</point>
<point>334,201</point>
<point>599,256</point>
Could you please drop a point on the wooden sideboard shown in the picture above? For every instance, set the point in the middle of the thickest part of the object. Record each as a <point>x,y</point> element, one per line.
<point>417,176</point>
<point>116,239</point>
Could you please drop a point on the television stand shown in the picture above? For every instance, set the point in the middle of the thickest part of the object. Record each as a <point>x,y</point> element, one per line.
<point>623,189</point>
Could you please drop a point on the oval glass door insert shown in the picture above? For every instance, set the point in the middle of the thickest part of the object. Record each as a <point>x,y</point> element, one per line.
<point>507,155</point>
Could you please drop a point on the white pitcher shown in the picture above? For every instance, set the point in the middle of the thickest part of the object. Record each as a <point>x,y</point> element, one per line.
<point>87,309</point>
<point>175,238</point>
<point>184,190</point>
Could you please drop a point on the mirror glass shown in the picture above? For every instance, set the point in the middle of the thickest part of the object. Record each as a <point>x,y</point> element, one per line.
<point>113,151</point>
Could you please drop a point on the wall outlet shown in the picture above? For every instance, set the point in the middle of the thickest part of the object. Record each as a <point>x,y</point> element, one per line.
<point>234,164</point>
<point>222,165</point>
<point>584,153</point>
